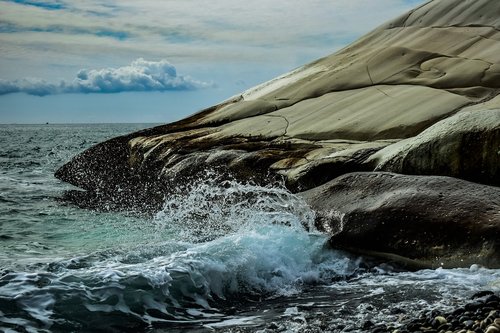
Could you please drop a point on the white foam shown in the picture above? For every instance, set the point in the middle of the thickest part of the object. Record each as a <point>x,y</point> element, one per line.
<point>238,321</point>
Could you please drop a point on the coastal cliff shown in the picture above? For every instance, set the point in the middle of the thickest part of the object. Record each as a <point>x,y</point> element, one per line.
<point>393,140</point>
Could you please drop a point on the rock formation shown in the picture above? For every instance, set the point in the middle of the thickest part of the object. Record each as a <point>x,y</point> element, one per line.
<point>418,95</point>
<point>442,221</point>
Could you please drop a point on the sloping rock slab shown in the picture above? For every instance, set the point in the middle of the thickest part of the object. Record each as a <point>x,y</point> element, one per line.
<point>424,221</point>
<point>389,85</point>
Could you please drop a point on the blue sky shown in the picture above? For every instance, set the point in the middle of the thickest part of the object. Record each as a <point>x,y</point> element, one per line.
<point>65,61</point>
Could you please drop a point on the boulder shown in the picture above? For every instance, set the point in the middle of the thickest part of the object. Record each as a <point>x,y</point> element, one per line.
<point>466,145</point>
<point>423,221</point>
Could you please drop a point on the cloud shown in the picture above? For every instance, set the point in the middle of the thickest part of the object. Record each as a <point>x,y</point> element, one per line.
<point>140,75</point>
<point>187,29</point>
<point>206,39</point>
<point>40,4</point>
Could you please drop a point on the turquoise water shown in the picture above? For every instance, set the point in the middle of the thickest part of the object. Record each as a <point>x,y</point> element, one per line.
<point>219,254</point>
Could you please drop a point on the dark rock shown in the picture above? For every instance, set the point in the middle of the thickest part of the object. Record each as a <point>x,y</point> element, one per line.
<point>367,324</point>
<point>272,326</point>
<point>413,327</point>
<point>437,221</point>
<point>397,311</point>
<point>492,298</point>
<point>491,306</point>
<point>473,306</point>
<point>468,324</point>
<point>458,311</point>
<point>379,329</point>
<point>483,293</point>
<point>455,323</point>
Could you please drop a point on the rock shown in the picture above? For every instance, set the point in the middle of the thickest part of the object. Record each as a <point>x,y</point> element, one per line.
<point>482,293</point>
<point>492,329</point>
<point>492,298</point>
<point>468,324</point>
<point>367,324</point>
<point>418,95</point>
<point>466,145</point>
<point>379,329</point>
<point>438,321</point>
<point>326,118</point>
<point>434,221</point>
<point>327,163</point>
<point>475,322</point>
<point>473,306</point>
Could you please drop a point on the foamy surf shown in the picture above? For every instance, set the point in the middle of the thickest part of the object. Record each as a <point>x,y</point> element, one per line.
<point>226,241</point>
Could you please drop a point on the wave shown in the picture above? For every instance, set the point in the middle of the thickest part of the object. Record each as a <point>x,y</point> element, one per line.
<point>216,242</point>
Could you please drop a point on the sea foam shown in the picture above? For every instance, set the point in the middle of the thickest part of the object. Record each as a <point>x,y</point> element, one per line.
<point>216,241</point>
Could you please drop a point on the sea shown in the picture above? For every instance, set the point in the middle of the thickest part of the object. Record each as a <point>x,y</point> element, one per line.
<point>221,256</point>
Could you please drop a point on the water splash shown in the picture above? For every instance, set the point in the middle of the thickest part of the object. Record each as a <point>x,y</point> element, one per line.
<point>220,241</point>
<point>213,208</point>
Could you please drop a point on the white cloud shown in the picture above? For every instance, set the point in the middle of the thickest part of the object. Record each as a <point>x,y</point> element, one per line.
<point>140,75</point>
<point>191,31</point>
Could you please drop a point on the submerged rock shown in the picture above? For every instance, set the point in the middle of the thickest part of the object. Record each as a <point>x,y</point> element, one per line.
<point>432,221</point>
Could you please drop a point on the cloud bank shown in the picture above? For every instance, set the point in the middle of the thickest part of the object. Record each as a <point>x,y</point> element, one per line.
<point>140,75</point>
<point>189,32</point>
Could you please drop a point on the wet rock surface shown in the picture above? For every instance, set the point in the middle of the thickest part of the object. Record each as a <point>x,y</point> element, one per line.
<point>480,314</point>
<point>437,221</point>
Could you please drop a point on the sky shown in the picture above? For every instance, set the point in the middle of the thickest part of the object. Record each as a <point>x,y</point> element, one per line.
<point>157,61</point>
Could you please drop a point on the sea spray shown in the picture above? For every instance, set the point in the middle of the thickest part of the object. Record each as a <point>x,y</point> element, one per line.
<point>220,241</point>
<point>214,207</point>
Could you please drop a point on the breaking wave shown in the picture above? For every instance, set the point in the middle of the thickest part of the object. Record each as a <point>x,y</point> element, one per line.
<point>215,243</point>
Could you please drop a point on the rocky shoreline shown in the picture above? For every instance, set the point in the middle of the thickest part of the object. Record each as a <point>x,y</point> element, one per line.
<point>417,97</point>
<point>479,314</point>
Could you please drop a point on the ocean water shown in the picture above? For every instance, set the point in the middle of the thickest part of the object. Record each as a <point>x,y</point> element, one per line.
<point>219,255</point>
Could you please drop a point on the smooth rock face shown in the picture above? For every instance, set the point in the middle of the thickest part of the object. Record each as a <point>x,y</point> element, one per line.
<point>391,84</point>
<point>466,145</point>
<point>440,221</point>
